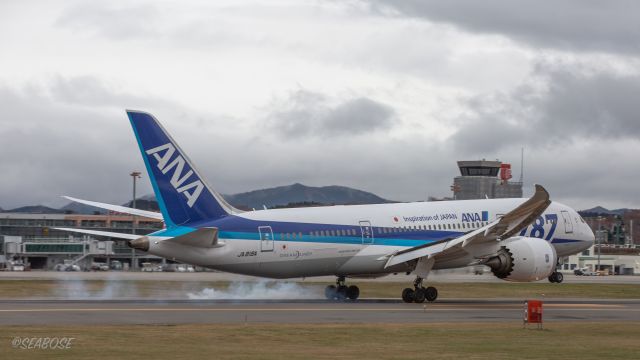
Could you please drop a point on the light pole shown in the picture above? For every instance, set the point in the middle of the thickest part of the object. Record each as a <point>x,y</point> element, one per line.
<point>135,175</point>
<point>598,236</point>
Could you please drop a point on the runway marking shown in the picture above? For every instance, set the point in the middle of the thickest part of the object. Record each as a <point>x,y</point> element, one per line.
<point>421,309</point>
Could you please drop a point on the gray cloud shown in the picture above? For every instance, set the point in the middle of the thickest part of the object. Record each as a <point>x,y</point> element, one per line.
<point>70,135</point>
<point>573,107</point>
<point>52,148</point>
<point>309,113</point>
<point>608,26</point>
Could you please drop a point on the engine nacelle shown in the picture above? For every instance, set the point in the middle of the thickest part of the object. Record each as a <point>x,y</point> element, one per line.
<point>523,259</point>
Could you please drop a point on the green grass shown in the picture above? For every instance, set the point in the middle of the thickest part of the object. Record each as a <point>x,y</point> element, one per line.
<point>332,341</point>
<point>511,290</point>
<point>149,288</point>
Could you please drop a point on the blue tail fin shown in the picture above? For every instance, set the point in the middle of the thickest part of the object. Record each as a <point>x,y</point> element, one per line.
<point>181,191</point>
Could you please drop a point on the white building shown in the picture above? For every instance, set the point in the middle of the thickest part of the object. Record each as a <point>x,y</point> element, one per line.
<point>616,260</point>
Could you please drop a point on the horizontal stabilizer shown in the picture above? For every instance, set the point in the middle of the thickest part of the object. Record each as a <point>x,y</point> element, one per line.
<point>101,233</point>
<point>204,238</point>
<point>121,209</point>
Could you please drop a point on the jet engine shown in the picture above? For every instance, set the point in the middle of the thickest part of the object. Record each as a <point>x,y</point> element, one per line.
<point>523,259</point>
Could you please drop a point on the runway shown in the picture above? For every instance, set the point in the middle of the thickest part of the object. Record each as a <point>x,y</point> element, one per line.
<point>144,311</point>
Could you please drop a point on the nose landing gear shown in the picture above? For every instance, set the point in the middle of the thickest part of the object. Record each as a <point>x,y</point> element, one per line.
<point>419,293</point>
<point>340,291</point>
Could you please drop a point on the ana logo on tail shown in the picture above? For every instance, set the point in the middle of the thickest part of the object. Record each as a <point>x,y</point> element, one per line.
<point>165,164</point>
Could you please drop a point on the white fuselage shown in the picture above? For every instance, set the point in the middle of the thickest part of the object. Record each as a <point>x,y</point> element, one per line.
<point>356,240</point>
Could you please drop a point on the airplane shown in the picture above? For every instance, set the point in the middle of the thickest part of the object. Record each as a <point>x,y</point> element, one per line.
<point>519,239</point>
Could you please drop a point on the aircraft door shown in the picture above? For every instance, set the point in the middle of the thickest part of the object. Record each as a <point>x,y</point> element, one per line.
<point>367,232</point>
<point>568,223</point>
<point>266,238</point>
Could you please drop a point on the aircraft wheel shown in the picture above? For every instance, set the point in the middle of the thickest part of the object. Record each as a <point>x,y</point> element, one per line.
<point>353,292</point>
<point>553,277</point>
<point>341,293</point>
<point>431,293</point>
<point>330,292</point>
<point>557,277</point>
<point>407,295</point>
<point>419,295</point>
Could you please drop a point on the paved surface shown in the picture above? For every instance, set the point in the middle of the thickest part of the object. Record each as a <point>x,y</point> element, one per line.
<point>103,312</point>
<point>435,276</point>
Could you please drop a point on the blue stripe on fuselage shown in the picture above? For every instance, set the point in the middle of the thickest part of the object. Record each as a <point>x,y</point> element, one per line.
<point>235,227</point>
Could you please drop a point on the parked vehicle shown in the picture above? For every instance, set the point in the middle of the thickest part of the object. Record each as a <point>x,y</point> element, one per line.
<point>115,265</point>
<point>151,267</point>
<point>584,272</point>
<point>98,266</point>
<point>15,265</point>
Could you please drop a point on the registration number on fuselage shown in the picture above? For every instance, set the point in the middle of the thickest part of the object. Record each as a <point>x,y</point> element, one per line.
<point>248,253</point>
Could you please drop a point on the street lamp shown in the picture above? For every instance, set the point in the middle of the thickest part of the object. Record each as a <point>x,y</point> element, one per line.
<point>598,236</point>
<point>135,175</point>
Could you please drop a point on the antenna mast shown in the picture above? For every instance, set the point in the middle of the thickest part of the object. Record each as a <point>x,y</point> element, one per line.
<point>521,165</point>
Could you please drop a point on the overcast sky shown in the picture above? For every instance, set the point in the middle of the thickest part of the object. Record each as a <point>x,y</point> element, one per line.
<point>383,96</point>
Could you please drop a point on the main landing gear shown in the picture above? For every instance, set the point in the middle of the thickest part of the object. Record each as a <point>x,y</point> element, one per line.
<point>340,291</point>
<point>556,277</point>
<point>419,293</point>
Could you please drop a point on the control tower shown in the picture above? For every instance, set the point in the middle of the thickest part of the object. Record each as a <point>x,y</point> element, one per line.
<point>482,179</point>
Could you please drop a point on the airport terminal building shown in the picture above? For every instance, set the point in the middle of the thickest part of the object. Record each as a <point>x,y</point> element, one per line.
<point>31,239</point>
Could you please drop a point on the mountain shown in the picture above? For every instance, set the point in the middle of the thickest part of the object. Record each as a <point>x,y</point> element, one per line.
<point>36,209</point>
<point>599,210</point>
<point>298,193</point>
<point>147,202</point>
<point>77,208</point>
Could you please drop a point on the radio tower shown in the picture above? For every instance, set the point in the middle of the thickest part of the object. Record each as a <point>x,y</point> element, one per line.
<point>521,165</point>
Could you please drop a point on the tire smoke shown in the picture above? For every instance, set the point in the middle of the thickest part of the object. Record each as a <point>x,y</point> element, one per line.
<point>277,290</point>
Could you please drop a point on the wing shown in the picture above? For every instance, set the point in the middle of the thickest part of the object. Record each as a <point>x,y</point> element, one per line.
<point>502,228</point>
<point>122,209</point>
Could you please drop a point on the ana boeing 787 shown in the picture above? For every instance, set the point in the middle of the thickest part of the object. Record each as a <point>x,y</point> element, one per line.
<point>518,239</point>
